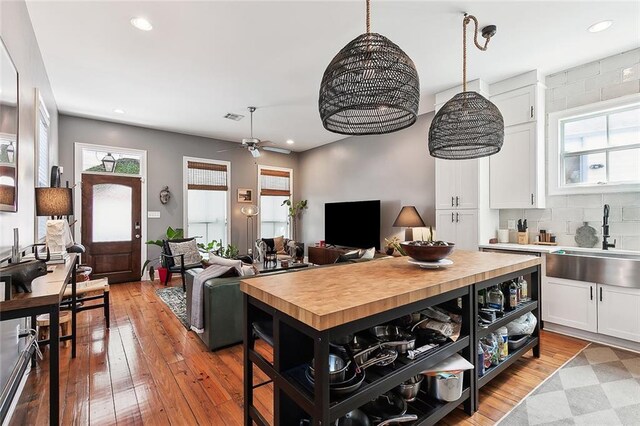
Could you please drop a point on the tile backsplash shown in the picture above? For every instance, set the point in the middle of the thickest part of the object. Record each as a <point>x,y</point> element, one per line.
<point>565,213</point>
<point>611,77</point>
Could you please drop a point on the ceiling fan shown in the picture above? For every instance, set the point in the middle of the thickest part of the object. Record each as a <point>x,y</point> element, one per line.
<point>254,145</point>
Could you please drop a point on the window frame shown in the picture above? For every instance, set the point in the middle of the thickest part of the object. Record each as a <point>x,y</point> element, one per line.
<point>556,156</point>
<point>42,115</point>
<point>185,192</point>
<point>259,201</point>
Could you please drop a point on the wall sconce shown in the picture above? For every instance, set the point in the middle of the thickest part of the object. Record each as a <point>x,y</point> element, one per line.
<point>165,195</point>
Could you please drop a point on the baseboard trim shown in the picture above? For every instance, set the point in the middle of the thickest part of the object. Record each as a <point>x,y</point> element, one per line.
<point>593,337</point>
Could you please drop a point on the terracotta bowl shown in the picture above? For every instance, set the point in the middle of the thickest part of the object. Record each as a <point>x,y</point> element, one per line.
<point>427,253</point>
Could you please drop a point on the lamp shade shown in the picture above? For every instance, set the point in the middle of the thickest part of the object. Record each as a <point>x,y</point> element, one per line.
<point>249,211</point>
<point>409,217</point>
<point>54,202</point>
<point>7,194</point>
<point>371,87</point>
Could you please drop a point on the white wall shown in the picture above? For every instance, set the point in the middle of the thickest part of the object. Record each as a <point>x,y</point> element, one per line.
<point>395,168</point>
<point>608,78</point>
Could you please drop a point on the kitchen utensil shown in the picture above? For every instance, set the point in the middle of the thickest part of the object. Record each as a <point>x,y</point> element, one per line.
<point>351,357</point>
<point>353,418</point>
<point>351,384</point>
<point>424,253</point>
<point>337,368</point>
<point>393,337</point>
<point>409,389</point>
<point>442,263</point>
<point>586,236</point>
<point>385,406</point>
<point>520,227</point>
<point>445,386</point>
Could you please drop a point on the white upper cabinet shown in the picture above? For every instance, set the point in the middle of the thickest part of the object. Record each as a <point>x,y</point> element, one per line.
<point>517,172</point>
<point>459,227</point>
<point>457,184</point>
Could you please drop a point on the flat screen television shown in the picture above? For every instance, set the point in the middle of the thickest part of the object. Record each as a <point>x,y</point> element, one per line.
<point>352,224</point>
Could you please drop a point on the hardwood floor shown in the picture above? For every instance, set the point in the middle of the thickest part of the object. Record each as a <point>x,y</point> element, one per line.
<point>148,369</point>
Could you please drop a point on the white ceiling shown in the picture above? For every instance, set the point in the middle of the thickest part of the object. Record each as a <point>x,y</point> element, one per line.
<point>204,59</point>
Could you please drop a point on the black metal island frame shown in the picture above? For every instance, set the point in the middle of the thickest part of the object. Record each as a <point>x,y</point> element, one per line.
<point>305,311</point>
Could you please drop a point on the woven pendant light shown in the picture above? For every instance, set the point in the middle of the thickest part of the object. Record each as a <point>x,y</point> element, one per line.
<point>468,125</point>
<point>371,87</point>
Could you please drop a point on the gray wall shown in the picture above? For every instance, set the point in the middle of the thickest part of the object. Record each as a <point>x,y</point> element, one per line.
<point>592,82</point>
<point>395,169</point>
<point>17,33</point>
<point>164,155</point>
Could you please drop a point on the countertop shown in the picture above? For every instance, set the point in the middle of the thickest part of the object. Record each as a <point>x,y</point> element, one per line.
<point>550,249</point>
<point>327,297</point>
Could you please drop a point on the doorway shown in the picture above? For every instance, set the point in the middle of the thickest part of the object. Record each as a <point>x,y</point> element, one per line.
<point>112,226</point>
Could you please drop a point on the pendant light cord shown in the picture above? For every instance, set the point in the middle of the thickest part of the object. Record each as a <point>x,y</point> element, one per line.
<point>368,16</point>
<point>465,21</point>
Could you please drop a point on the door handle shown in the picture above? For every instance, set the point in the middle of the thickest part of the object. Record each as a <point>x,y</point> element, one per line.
<point>457,217</point>
<point>591,292</point>
<point>601,294</point>
<point>452,202</point>
<point>457,201</point>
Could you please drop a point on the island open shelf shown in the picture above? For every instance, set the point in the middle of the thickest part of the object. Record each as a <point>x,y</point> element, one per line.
<point>311,308</point>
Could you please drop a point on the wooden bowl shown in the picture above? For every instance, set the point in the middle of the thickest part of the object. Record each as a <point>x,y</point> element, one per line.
<point>427,253</point>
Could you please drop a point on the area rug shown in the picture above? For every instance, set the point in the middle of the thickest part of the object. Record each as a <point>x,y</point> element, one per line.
<point>176,300</point>
<point>600,386</point>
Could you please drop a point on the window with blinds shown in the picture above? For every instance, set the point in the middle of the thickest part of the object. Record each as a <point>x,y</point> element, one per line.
<point>206,199</point>
<point>275,188</point>
<point>42,166</point>
<point>207,176</point>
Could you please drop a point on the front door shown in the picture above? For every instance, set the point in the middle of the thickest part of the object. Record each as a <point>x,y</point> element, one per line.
<point>111,227</point>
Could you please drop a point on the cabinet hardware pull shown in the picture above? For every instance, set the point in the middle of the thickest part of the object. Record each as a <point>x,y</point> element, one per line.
<point>451,217</point>
<point>457,217</point>
<point>457,201</point>
<point>591,292</point>
<point>601,294</point>
<point>531,111</point>
<point>452,199</point>
<point>531,198</point>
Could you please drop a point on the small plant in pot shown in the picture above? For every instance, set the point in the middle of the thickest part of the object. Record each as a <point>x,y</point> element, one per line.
<point>156,263</point>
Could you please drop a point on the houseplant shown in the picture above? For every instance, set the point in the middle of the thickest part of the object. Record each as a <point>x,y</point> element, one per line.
<point>295,211</point>
<point>170,234</point>
<point>216,247</point>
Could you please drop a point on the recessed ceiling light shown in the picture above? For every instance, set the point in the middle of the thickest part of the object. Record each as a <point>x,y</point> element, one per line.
<point>118,111</point>
<point>141,24</point>
<point>290,141</point>
<point>599,26</point>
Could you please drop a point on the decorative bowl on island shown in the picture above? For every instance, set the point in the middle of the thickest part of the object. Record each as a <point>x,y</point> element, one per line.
<point>427,251</point>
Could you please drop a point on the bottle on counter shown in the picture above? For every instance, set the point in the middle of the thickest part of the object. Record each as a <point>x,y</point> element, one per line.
<point>480,360</point>
<point>503,343</point>
<point>482,297</point>
<point>513,295</point>
<point>523,288</point>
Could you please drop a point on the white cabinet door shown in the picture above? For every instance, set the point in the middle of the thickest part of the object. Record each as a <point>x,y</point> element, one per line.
<point>619,312</point>
<point>467,184</point>
<point>445,225</point>
<point>570,303</point>
<point>446,179</point>
<point>467,230</point>
<point>512,180</point>
<point>516,106</point>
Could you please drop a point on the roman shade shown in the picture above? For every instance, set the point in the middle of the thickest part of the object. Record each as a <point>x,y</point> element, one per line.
<point>207,176</point>
<point>275,182</point>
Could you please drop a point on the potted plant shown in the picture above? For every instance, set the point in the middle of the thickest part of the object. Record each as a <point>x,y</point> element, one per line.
<point>390,245</point>
<point>295,211</point>
<point>170,234</point>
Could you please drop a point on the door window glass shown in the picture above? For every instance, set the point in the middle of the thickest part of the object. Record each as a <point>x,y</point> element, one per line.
<point>112,206</point>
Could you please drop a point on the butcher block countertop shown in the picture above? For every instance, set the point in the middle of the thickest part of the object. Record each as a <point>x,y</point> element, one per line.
<point>331,296</point>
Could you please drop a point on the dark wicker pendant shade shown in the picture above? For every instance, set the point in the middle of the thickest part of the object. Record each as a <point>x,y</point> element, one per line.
<point>467,126</point>
<point>371,87</point>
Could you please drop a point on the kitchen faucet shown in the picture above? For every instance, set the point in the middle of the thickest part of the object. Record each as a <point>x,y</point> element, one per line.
<point>605,230</point>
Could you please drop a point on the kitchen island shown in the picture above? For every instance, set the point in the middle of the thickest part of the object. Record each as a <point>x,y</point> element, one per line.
<point>307,310</point>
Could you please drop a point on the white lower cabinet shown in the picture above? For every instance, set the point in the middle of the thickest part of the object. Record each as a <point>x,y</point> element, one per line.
<point>619,312</point>
<point>570,303</point>
<point>598,308</point>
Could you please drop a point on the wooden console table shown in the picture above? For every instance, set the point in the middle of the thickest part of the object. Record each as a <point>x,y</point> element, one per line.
<point>47,294</point>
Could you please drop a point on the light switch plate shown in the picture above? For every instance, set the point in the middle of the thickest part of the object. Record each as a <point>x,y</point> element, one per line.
<point>511,224</point>
<point>153,214</point>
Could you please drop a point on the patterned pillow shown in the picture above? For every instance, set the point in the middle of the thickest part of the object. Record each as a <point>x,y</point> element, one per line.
<point>189,249</point>
<point>279,244</point>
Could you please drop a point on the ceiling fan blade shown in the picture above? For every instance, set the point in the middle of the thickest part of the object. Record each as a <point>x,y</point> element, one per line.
<point>276,149</point>
<point>267,143</point>
<point>255,152</point>
<point>232,149</point>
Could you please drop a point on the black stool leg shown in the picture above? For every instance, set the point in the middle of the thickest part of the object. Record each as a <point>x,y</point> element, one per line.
<point>184,285</point>
<point>106,309</point>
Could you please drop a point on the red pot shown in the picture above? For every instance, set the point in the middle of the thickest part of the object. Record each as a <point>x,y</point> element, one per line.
<point>162,274</point>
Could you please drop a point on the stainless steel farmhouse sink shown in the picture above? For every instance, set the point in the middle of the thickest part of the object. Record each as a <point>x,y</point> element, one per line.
<point>602,267</point>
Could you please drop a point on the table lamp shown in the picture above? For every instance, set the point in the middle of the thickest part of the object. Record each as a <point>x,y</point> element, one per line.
<point>250,212</point>
<point>408,218</point>
<point>55,203</point>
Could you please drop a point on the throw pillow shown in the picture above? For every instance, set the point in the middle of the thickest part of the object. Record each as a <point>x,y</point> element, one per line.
<point>368,253</point>
<point>270,243</point>
<point>189,249</point>
<point>279,244</point>
<point>348,256</point>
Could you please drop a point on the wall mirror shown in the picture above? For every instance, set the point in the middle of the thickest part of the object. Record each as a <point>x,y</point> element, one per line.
<point>8,132</point>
